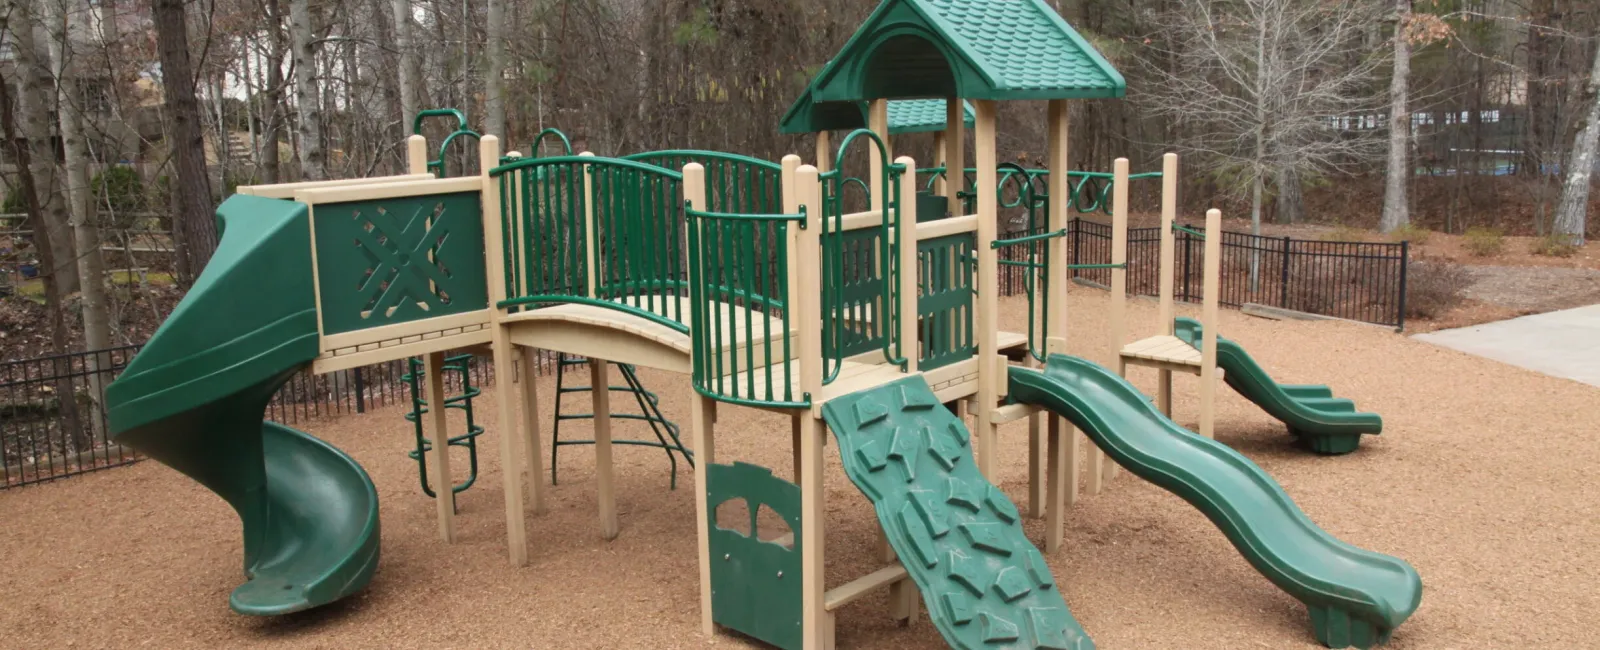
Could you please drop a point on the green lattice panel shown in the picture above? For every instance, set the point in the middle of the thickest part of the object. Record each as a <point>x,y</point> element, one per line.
<point>389,261</point>
<point>945,296</point>
<point>958,536</point>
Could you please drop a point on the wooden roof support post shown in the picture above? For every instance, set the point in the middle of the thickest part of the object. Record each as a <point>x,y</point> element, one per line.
<point>824,152</point>
<point>417,155</point>
<point>816,621</point>
<point>1208,317</point>
<point>955,154</point>
<point>988,307</point>
<point>1169,215</point>
<point>444,499</point>
<point>878,121</point>
<point>702,419</point>
<point>507,390</point>
<point>1061,442</point>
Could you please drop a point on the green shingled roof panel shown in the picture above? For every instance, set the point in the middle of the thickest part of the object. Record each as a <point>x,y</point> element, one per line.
<point>977,49</point>
<point>922,115</point>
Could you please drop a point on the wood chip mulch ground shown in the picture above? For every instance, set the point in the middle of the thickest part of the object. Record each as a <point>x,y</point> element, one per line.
<point>1484,479</point>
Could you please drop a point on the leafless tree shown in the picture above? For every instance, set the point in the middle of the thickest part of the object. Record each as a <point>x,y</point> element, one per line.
<point>1398,171</point>
<point>194,226</point>
<point>1573,209</point>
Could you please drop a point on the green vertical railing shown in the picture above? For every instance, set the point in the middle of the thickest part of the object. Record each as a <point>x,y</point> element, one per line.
<point>743,339</point>
<point>735,184</point>
<point>638,248</point>
<point>946,268</point>
<point>860,269</point>
<point>1090,191</point>
<point>436,166</point>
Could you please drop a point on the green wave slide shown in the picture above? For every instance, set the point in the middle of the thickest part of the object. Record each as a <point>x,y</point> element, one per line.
<point>1355,597</point>
<point>195,399</point>
<point>1324,423</point>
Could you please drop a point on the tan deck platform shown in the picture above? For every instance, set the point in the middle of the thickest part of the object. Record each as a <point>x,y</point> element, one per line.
<point>601,333</point>
<point>1166,352</point>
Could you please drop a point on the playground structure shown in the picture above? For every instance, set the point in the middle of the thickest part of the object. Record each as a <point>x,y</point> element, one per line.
<point>750,278</point>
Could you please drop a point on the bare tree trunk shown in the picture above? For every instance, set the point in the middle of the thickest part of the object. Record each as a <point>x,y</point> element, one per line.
<point>494,69</point>
<point>91,262</point>
<point>307,104</point>
<point>408,64</point>
<point>272,112</point>
<point>37,108</point>
<point>1291,200</point>
<point>194,227</point>
<point>1572,211</point>
<point>1395,210</point>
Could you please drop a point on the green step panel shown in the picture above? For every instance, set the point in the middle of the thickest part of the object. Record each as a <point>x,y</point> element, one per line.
<point>960,538</point>
<point>1314,417</point>
<point>755,584</point>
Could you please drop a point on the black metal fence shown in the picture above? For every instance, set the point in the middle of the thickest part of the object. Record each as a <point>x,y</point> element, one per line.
<point>44,437</point>
<point>1362,281</point>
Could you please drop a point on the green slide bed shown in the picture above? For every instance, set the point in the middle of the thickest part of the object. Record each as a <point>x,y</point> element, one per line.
<point>1355,597</point>
<point>195,399</point>
<point>958,536</point>
<point>1324,423</point>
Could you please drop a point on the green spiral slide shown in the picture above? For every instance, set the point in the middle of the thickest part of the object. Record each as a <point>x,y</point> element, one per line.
<point>1324,423</point>
<point>195,399</point>
<point>1355,597</point>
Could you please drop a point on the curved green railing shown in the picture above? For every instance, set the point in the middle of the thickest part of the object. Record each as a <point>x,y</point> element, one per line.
<point>1030,252</point>
<point>538,141</point>
<point>742,341</point>
<point>860,288</point>
<point>1091,191</point>
<point>638,245</point>
<point>735,184</point>
<point>436,166</point>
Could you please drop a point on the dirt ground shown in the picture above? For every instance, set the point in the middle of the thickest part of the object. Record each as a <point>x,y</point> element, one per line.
<point>1483,480</point>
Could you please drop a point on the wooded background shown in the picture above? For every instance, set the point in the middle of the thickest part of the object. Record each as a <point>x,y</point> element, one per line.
<point>138,117</point>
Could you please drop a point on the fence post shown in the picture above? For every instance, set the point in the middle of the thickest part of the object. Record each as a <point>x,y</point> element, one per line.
<point>1077,242</point>
<point>1405,256</point>
<point>1284,287</point>
<point>361,391</point>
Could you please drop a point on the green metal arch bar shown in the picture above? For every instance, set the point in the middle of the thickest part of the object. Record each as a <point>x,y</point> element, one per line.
<point>1008,172</point>
<point>445,147</point>
<point>461,118</point>
<point>865,189</point>
<point>890,169</point>
<point>538,140</point>
<point>584,160</point>
<point>1002,243</point>
<point>696,153</point>
<point>579,300</point>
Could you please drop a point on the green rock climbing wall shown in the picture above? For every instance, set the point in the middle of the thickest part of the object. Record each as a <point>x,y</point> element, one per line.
<point>985,585</point>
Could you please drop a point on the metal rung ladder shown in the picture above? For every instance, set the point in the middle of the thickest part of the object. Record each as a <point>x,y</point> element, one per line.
<point>649,413</point>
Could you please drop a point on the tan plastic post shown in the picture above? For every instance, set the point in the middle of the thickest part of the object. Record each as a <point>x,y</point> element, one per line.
<point>702,421</point>
<point>531,445</point>
<point>439,456</point>
<point>605,492</point>
<point>824,152</point>
<point>878,121</point>
<point>988,284</point>
<point>1100,469</point>
<point>1208,319</point>
<point>955,153</point>
<point>1169,215</point>
<point>589,245</point>
<point>1061,441</point>
<point>507,390</point>
<point>417,155</point>
<point>816,621</point>
<point>908,262</point>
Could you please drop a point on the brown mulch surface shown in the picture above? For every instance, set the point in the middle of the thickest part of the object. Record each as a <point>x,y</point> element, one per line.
<point>1483,479</point>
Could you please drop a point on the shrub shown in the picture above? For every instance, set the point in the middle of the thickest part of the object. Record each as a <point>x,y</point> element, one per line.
<point>1556,245</point>
<point>118,196</point>
<point>1484,242</point>
<point>1433,288</point>
<point>1411,233</point>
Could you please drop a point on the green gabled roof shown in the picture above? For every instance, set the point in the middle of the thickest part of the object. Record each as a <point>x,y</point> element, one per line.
<point>905,116</point>
<point>976,49</point>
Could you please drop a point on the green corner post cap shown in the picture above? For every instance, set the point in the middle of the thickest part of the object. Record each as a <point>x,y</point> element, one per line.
<point>195,399</point>
<point>1323,423</point>
<point>1356,597</point>
<point>958,536</point>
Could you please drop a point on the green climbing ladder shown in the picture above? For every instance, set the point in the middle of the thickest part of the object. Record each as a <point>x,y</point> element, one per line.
<point>958,536</point>
<point>462,366</point>
<point>649,413</point>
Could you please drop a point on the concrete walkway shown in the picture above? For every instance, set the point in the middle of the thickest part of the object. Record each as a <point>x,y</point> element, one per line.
<point>1560,344</point>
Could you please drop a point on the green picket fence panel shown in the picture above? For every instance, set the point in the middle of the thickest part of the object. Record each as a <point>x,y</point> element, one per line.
<point>946,269</point>
<point>860,268</point>
<point>742,348</point>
